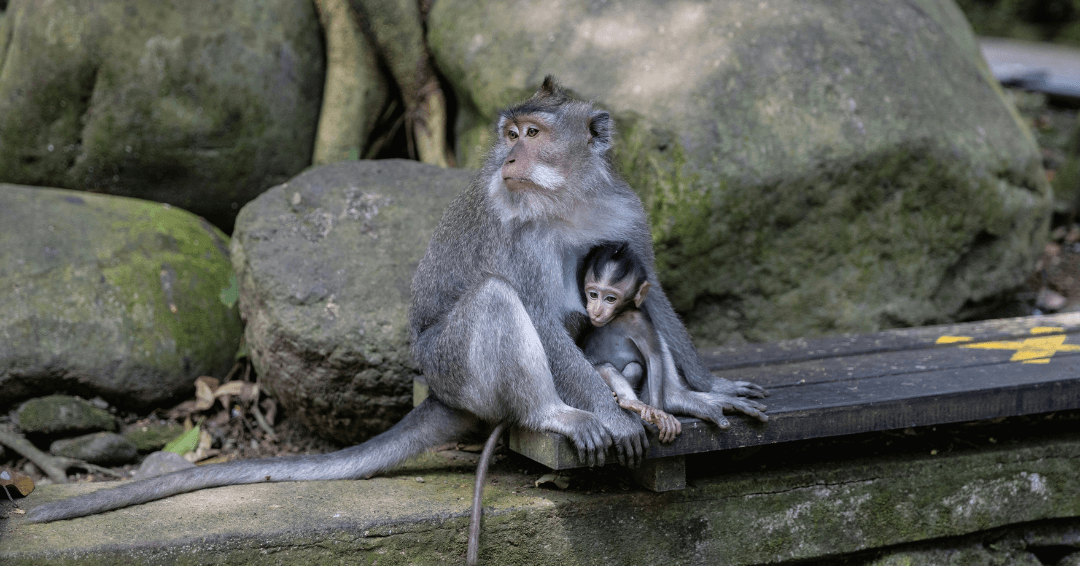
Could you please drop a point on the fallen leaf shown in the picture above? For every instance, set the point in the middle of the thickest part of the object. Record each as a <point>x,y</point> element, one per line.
<point>242,389</point>
<point>561,482</point>
<point>16,484</point>
<point>185,442</point>
<point>204,392</point>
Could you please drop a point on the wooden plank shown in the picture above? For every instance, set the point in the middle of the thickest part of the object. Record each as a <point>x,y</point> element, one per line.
<point>887,341</point>
<point>951,373</point>
<point>913,362</point>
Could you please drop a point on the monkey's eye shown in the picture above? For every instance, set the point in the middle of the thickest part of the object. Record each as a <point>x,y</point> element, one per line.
<point>512,135</point>
<point>593,294</point>
<point>610,299</point>
<point>531,132</point>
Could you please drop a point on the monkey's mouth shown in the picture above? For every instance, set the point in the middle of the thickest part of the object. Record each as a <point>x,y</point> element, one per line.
<point>599,322</point>
<point>520,184</point>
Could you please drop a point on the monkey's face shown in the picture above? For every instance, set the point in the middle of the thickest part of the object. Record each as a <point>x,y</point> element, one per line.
<point>605,299</point>
<point>532,158</point>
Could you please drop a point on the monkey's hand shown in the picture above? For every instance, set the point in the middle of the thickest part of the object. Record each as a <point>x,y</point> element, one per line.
<point>738,388</point>
<point>627,434</point>
<point>669,426</point>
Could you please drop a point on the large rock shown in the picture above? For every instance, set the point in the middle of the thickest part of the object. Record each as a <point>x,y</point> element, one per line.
<point>109,296</point>
<point>325,264</point>
<point>55,415</point>
<point>102,448</point>
<point>809,167</point>
<point>202,105</point>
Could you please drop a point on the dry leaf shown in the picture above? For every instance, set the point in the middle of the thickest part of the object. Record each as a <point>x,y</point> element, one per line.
<point>242,389</point>
<point>202,451</point>
<point>561,482</point>
<point>232,388</point>
<point>183,410</point>
<point>16,484</point>
<point>204,392</point>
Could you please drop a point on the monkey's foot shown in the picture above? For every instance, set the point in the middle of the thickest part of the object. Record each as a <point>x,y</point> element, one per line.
<point>669,426</point>
<point>746,406</point>
<point>738,388</point>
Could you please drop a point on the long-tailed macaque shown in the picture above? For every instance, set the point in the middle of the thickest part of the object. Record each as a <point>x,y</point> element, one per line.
<point>495,313</point>
<point>623,347</point>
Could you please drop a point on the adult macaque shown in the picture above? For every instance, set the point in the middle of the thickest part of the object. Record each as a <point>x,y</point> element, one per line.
<point>623,347</point>
<point>495,313</point>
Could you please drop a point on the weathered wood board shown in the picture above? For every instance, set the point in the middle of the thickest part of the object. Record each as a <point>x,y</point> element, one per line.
<point>888,380</point>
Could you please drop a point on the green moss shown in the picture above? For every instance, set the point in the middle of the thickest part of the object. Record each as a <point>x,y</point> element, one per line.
<point>178,109</point>
<point>152,436</point>
<point>852,245</point>
<point>56,414</point>
<point>121,293</point>
<point>169,273</point>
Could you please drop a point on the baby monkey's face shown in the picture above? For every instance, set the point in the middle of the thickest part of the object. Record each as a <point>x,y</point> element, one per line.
<point>606,298</point>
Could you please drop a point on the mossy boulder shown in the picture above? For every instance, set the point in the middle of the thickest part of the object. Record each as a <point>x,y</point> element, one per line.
<point>102,448</point>
<point>202,105</point>
<point>809,167</point>
<point>62,414</point>
<point>110,296</point>
<point>325,265</point>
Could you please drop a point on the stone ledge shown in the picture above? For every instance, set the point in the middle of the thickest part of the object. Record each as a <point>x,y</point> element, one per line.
<point>814,512</point>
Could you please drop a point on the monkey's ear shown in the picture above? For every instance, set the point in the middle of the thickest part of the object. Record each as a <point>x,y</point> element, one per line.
<point>642,292</point>
<point>601,130</point>
<point>550,86</point>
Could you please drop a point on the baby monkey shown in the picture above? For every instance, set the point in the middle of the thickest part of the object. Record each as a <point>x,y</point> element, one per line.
<point>623,346</point>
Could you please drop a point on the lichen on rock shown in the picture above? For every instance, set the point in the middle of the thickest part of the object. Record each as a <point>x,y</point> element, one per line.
<point>110,296</point>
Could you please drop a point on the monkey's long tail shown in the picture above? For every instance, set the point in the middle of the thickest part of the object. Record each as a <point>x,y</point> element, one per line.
<point>478,491</point>
<point>430,424</point>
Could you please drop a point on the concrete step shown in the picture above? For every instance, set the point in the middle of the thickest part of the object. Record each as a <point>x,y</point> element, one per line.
<point>783,513</point>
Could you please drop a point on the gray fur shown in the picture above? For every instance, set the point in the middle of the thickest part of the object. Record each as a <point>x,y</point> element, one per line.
<point>629,341</point>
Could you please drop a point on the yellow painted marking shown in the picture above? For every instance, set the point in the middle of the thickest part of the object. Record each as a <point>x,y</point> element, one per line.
<point>1037,350</point>
<point>954,339</point>
<point>1046,329</point>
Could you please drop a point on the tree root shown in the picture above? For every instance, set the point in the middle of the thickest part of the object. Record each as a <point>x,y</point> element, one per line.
<point>48,464</point>
<point>54,466</point>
